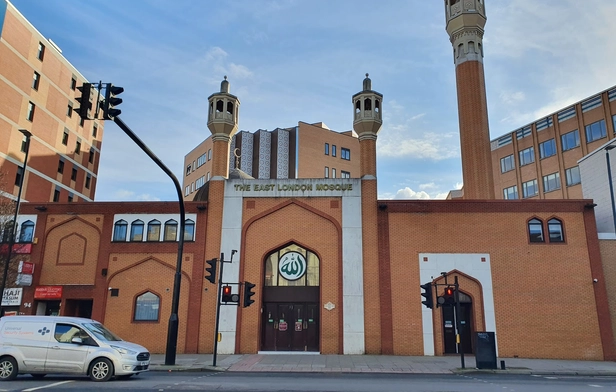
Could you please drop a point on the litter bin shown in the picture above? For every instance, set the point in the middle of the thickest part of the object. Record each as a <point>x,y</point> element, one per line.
<point>485,350</point>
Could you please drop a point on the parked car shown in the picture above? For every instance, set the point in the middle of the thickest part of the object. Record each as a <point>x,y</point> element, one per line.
<point>41,345</point>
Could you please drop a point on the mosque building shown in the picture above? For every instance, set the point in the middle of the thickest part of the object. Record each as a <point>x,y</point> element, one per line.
<point>335,269</point>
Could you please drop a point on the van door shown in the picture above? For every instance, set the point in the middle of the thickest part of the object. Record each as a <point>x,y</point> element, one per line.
<point>30,339</point>
<point>65,356</point>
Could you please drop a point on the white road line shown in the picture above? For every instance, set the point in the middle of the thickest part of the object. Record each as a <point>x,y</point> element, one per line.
<point>47,386</point>
<point>595,386</point>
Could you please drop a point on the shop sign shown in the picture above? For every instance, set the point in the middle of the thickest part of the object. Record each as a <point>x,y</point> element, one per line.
<point>12,297</point>
<point>282,326</point>
<point>18,249</point>
<point>23,280</point>
<point>48,292</point>
<point>26,267</point>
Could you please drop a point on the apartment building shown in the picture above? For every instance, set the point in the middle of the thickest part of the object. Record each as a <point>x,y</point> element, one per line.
<point>38,90</point>
<point>304,151</point>
<point>540,160</point>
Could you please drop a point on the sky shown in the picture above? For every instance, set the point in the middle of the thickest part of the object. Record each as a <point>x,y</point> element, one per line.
<point>295,60</point>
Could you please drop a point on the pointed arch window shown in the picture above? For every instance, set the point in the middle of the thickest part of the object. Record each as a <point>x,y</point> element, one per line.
<point>377,105</point>
<point>555,230</point>
<point>154,230</point>
<point>147,307</point>
<point>230,107</point>
<point>220,105</point>
<point>26,233</point>
<point>171,230</point>
<point>367,104</point>
<point>119,230</point>
<point>292,266</point>
<point>535,230</point>
<point>189,230</point>
<point>136,231</point>
<point>357,106</point>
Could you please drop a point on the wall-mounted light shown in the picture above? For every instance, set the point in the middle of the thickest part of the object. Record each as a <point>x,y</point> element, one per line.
<point>202,207</point>
<point>40,208</point>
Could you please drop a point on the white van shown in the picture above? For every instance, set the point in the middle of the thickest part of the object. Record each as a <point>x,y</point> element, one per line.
<point>40,345</point>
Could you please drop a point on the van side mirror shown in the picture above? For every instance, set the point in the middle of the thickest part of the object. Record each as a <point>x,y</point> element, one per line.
<point>77,341</point>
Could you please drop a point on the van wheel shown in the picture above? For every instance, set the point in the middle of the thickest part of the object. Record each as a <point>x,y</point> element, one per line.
<point>8,368</point>
<point>101,369</point>
<point>38,376</point>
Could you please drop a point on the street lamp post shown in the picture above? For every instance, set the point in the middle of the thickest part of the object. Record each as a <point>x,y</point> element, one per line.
<point>609,179</point>
<point>13,233</point>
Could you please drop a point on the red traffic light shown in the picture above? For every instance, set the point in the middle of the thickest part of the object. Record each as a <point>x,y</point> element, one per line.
<point>449,291</point>
<point>226,290</point>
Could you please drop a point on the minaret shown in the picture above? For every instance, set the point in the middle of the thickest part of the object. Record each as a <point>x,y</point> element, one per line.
<point>367,121</point>
<point>465,22</point>
<point>222,122</point>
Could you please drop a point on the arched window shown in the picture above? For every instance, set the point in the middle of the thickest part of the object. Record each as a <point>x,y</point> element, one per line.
<point>535,230</point>
<point>189,230</point>
<point>27,231</point>
<point>147,307</point>
<point>171,230</point>
<point>555,230</point>
<point>220,105</point>
<point>367,104</point>
<point>292,266</point>
<point>357,106</point>
<point>377,105</point>
<point>119,230</point>
<point>154,230</point>
<point>136,231</point>
<point>230,107</point>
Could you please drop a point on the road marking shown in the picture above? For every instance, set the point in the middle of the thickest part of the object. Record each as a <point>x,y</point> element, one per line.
<point>595,386</point>
<point>47,386</point>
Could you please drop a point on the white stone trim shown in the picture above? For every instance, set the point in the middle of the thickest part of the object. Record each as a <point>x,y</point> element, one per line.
<point>467,263</point>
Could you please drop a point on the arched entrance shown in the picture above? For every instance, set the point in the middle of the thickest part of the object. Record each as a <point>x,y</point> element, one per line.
<point>290,318</point>
<point>449,326</point>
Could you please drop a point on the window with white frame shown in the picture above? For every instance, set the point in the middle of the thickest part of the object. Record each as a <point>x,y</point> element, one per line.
<point>551,182</point>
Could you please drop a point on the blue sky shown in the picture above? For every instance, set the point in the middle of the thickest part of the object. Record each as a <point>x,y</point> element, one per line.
<point>293,60</point>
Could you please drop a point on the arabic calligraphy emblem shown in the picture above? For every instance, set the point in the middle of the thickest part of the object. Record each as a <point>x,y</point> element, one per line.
<point>292,265</point>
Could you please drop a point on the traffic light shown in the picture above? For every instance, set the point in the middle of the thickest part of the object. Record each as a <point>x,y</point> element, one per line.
<point>248,292</point>
<point>83,102</point>
<point>111,101</point>
<point>227,296</point>
<point>448,298</point>
<point>429,301</point>
<point>211,269</point>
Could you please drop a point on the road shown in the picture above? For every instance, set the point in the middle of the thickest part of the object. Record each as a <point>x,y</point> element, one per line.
<point>315,382</point>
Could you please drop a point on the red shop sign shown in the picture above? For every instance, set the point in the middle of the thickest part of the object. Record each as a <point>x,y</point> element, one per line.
<point>48,292</point>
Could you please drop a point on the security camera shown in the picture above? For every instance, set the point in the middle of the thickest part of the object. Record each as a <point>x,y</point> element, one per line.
<point>110,288</point>
<point>595,280</point>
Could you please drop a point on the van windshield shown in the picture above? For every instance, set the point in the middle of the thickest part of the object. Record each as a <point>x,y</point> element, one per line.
<point>101,332</point>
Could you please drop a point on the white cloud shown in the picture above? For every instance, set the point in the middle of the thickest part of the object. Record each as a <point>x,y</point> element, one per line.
<point>512,97</point>
<point>408,193</point>
<point>427,146</point>
<point>430,185</point>
<point>418,116</point>
<point>124,194</point>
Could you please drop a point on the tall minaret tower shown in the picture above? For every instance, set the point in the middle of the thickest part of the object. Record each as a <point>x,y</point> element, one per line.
<point>367,121</point>
<point>465,22</point>
<point>222,122</point>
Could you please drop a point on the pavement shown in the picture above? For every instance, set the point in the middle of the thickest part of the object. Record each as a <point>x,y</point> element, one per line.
<point>293,362</point>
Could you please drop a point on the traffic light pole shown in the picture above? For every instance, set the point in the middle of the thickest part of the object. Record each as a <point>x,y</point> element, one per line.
<point>458,324</point>
<point>218,304</point>
<point>172,331</point>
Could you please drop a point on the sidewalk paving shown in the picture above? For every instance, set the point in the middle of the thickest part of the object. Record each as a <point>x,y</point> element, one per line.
<point>277,362</point>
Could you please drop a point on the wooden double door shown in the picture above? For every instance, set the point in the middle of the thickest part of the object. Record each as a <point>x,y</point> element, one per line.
<point>290,326</point>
